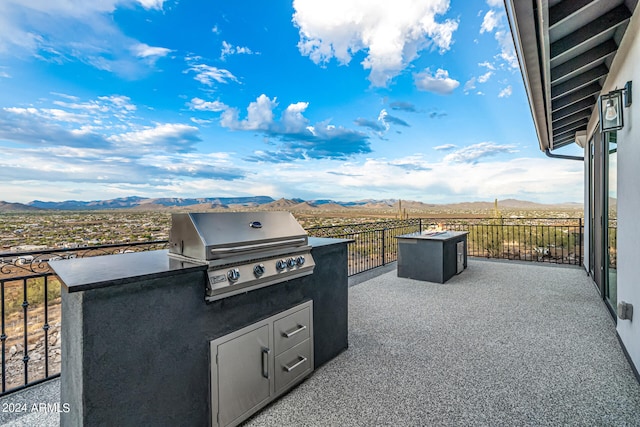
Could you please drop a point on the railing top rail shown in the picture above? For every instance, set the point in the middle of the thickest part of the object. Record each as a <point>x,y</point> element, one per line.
<point>81,248</point>
<point>447,219</point>
<point>356,224</point>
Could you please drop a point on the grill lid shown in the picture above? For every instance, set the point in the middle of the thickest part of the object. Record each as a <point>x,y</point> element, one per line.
<point>227,235</point>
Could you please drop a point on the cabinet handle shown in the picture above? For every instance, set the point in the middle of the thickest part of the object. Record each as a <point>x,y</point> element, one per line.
<point>265,362</point>
<point>290,334</point>
<point>300,362</point>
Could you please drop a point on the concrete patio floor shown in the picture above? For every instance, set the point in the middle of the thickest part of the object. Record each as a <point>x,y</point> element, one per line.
<point>503,343</point>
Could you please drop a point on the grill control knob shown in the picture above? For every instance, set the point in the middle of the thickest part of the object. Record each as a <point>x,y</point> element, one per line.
<point>258,270</point>
<point>291,262</point>
<point>233,274</point>
<point>281,265</point>
<point>300,260</point>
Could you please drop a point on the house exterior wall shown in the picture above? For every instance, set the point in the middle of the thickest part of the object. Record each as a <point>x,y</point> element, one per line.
<point>626,67</point>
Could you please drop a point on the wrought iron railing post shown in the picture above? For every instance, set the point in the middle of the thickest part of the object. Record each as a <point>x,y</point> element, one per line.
<point>384,231</point>
<point>25,358</point>
<point>3,337</point>
<point>580,232</point>
<point>45,327</point>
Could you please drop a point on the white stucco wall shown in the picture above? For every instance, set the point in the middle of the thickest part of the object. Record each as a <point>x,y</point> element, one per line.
<point>626,67</point>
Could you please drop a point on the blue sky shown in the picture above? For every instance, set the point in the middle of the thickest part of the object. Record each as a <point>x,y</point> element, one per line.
<point>340,99</point>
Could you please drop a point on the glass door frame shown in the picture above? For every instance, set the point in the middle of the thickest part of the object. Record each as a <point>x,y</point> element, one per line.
<point>607,139</point>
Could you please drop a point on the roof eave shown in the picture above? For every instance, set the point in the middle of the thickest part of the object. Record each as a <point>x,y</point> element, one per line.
<point>529,50</point>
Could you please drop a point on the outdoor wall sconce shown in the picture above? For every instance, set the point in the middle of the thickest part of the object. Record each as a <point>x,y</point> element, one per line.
<point>611,108</point>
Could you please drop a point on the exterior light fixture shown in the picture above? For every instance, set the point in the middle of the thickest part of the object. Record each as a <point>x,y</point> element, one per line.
<point>611,111</point>
<point>611,108</point>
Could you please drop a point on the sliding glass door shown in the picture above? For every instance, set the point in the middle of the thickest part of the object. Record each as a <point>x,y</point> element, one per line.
<point>611,219</point>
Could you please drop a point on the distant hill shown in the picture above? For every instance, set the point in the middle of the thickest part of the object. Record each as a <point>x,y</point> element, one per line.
<point>17,207</point>
<point>304,206</point>
<point>512,204</point>
<point>280,204</point>
<point>268,203</point>
<point>148,203</point>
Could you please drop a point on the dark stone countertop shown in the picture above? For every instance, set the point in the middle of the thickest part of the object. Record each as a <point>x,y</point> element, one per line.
<point>438,235</point>
<point>81,274</point>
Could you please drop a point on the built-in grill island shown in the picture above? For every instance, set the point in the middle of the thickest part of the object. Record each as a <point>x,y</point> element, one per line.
<point>243,251</point>
<point>239,309</point>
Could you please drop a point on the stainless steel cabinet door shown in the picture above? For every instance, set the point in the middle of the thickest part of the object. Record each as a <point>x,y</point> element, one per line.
<point>244,366</point>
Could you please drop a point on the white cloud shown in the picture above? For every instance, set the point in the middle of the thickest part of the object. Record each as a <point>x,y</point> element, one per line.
<point>506,92</point>
<point>200,121</point>
<point>469,85</point>
<point>229,49</point>
<point>487,64</point>
<point>439,83</point>
<point>390,33</point>
<point>491,20</point>
<point>25,172</point>
<point>102,111</point>
<point>259,115</point>
<point>494,21</point>
<point>207,74</point>
<point>168,137</point>
<point>507,50</point>
<point>120,101</point>
<point>295,138</point>
<point>91,112</point>
<point>142,50</point>
<point>475,152</point>
<point>63,31</point>
<point>292,119</point>
<point>495,3</point>
<point>152,4</point>
<point>428,181</point>
<point>445,147</point>
<point>202,105</point>
<point>485,77</point>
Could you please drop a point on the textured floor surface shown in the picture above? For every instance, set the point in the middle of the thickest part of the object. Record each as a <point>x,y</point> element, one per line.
<point>501,344</point>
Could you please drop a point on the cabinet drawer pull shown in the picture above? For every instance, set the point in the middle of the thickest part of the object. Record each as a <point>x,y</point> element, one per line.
<point>265,362</point>
<point>295,365</point>
<point>300,328</point>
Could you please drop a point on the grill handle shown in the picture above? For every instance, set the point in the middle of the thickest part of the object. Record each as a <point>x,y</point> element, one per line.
<point>256,246</point>
<point>265,362</point>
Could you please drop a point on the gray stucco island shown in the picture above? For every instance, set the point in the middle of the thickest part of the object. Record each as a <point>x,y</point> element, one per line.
<point>432,256</point>
<point>135,347</point>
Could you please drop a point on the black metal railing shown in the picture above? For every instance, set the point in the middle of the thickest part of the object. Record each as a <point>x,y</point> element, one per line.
<point>30,311</point>
<point>552,240</point>
<point>373,244</point>
<point>30,291</point>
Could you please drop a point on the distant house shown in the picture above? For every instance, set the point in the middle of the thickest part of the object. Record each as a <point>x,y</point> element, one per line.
<point>25,259</point>
<point>29,248</point>
<point>579,62</point>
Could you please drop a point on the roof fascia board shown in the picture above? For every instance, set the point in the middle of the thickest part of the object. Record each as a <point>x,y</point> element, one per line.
<point>526,40</point>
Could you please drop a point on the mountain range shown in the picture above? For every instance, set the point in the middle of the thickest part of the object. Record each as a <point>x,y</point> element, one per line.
<point>266,202</point>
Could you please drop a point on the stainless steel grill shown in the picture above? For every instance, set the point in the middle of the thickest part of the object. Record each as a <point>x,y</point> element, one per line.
<point>244,250</point>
